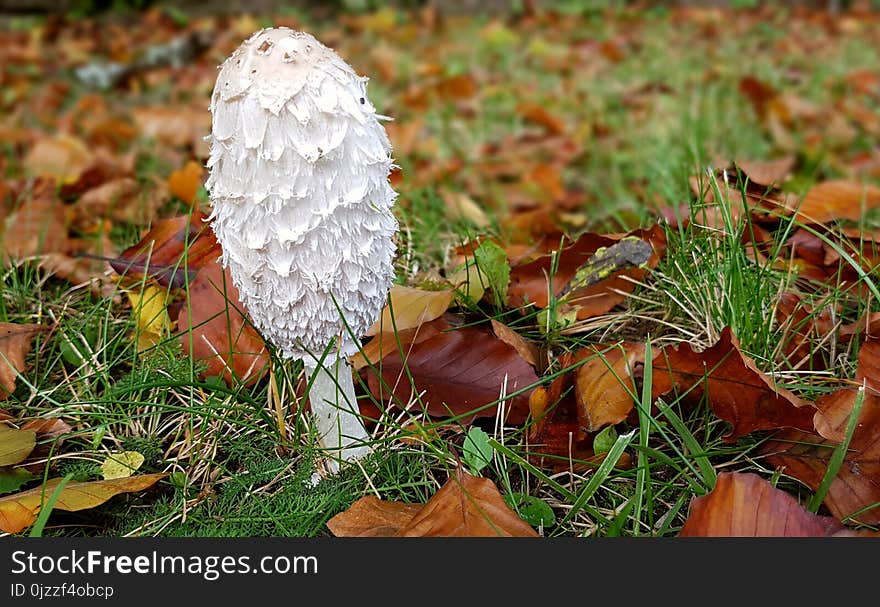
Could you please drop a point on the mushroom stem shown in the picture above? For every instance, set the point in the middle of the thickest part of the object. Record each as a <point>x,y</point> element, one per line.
<point>334,406</point>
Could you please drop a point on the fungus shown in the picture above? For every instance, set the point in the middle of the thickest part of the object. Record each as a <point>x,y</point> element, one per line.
<point>301,206</point>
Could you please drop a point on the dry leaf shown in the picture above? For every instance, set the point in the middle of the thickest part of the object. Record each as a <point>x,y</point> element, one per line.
<point>15,344</point>
<point>185,183</point>
<point>63,158</point>
<point>840,199</point>
<point>151,316</point>
<point>736,390</point>
<point>412,307</point>
<point>528,350</point>
<point>604,386</point>
<point>20,510</point>
<point>221,336</point>
<point>15,444</point>
<point>745,505</point>
<point>466,506</point>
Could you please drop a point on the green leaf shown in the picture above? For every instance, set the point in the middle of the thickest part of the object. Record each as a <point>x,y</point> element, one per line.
<point>477,450</point>
<point>603,441</point>
<point>492,262</point>
<point>15,445</point>
<point>11,479</point>
<point>532,510</point>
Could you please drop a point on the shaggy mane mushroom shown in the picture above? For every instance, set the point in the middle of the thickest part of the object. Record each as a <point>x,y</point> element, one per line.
<point>301,205</point>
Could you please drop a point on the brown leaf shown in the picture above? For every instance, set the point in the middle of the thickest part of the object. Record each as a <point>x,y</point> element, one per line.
<point>62,158</point>
<point>221,334</point>
<point>457,372</point>
<point>47,427</point>
<point>539,115</point>
<point>527,349</point>
<point>767,173</point>
<point>38,226</point>
<point>122,200</point>
<point>15,344</point>
<point>736,390</point>
<point>840,199</point>
<point>412,307</point>
<point>372,517</point>
<point>20,510</point>
<point>176,126</point>
<point>171,252</point>
<point>835,409</point>
<point>746,505</point>
<point>465,506</point>
<point>604,385</point>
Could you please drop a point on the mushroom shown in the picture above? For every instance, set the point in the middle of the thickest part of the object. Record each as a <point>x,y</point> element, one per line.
<point>302,208</point>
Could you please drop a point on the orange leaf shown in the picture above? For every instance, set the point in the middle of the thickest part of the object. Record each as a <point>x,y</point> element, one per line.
<point>745,505</point>
<point>465,506</point>
<point>604,384</point>
<point>527,349</point>
<point>184,183</point>
<point>63,158</point>
<point>38,226</point>
<point>840,199</point>
<point>15,343</point>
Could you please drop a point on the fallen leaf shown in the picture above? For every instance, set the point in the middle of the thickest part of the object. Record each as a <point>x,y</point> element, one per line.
<point>735,389</point>
<point>604,385</point>
<point>121,465</point>
<point>15,344</point>
<point>151,316</point>
<point>767,173</point>
<point>411,307</point>
<point>47,427</point>
<point>839,199</point>
<point>185,182</point>
<point>15,444</point>
<point>37,226</point>
<point>63,157</point>
<point>213,328</point>
<point>123,200</point>
<point>371,517</point>
<point>805,456</point>
<point>461,206</point>
<point>465,506</point>
<point>746,505</point>
<point>175,126</point>
<point>171,252</point>
<point>528,350</point>
<point>456,372</point>
<point>538,114</point>
<point>19,510</point>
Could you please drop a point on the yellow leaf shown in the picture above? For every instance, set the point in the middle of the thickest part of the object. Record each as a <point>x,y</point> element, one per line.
<point>19,510</point>
<point>462,206</point>
<point>15,445</point>
<point>471,281</point>
<point>121,465</point>
<point>153,323</point>
<point>412,307</point>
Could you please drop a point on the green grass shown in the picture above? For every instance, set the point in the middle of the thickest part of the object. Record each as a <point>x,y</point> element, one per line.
<point>234,472</point>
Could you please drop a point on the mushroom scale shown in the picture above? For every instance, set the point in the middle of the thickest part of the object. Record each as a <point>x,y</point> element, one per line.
<point>299,187</point>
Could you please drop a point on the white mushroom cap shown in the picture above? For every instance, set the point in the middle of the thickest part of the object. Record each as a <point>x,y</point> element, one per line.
<point>299,186</point>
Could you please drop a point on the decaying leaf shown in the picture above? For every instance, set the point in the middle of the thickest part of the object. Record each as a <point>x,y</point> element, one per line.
<point>63,157</point>
<point>15,344</point>
<point>746,505</point>
<point>19,510</point>
<point>736,390</point>
<point>529,350</point>
<point>466,506</point>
